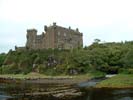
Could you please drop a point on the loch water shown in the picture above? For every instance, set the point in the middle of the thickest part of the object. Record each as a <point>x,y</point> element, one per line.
<point>15,91</point>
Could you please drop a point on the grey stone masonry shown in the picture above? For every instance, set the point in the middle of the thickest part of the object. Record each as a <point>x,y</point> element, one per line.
<point>54,37</point>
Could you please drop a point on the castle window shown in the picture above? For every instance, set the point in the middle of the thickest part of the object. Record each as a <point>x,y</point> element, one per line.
<point>64,34</point>
<point>58,33</point>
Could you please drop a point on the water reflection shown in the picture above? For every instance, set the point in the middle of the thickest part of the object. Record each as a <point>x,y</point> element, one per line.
<point>110,94</point>
<point>4,97</point>
<point>25,91</point>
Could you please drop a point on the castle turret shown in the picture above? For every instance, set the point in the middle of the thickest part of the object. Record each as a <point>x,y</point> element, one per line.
<point>31,31</point>
<point>77,30</point>
<point>31,37</point>
<point>54,23</point>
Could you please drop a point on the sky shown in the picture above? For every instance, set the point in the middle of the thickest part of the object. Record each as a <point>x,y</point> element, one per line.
<point>107,20</point>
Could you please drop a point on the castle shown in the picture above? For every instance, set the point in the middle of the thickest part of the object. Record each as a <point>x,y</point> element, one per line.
<point>54,37</point>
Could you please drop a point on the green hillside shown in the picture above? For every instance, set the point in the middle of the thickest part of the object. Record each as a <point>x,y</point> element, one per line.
<point>96,58</point>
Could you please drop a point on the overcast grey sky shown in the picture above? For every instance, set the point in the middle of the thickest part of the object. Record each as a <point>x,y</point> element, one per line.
<point>108,20</point>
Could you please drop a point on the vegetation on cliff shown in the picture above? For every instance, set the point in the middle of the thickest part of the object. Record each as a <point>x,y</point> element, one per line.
<point>98,58</point>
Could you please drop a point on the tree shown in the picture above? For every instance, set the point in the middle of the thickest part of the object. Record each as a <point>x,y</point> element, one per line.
<point>129,59</point>
<point>97,41</point>
<point>2,58</point>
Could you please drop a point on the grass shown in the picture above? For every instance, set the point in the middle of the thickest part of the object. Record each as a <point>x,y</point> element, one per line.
<point>34,75</point>
<point>63,79</point>
<point>72,79</point>
<point>37,75</point>
<point>30,76</point>
<point>119,81</point>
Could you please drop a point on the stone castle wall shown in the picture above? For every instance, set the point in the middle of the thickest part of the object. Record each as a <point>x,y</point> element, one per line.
<point>54,37</point>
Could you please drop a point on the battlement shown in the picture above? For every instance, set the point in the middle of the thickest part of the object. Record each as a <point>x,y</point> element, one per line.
<point>31,30</point>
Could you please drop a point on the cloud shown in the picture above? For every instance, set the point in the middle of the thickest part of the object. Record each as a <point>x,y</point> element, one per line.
<point>109,20</point>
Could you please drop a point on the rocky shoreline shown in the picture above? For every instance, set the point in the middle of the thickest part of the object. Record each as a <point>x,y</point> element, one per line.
<point>57,87</point>
<point>68,81</point>
<point>63,88</point>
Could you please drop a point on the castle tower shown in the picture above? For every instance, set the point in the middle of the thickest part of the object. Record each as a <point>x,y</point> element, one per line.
<point>50,36</point>
<point>31,37</point>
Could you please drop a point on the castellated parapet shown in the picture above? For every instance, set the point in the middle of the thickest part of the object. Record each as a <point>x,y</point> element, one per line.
<point>54,37</point>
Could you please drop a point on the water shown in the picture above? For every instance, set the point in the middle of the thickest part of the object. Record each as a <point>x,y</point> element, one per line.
<point>19,91</point>
<point>110,94</point>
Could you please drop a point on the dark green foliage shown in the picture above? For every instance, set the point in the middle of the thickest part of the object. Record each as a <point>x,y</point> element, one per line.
<point>2,58</point>
<point>10,69</point>
<point>104,57</point>
<point>129,58</point>
<point>98,74</point>
<point>125,71</point>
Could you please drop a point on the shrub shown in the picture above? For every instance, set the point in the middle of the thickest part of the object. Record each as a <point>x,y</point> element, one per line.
<point>125,71</point>
<point>10,69</point>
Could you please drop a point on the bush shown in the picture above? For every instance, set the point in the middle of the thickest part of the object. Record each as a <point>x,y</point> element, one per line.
<point>10,69</point>
<point>2,58</point>
<point>98,74</point>
<point>50,71</point>
<point>125,71</point>
<point>41,69</point>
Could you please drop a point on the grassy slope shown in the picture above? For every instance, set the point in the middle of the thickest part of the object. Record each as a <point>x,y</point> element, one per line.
<point>63,78</point>
<point>37,75</point>
<point>34,75</point>
<point>119,81</point>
